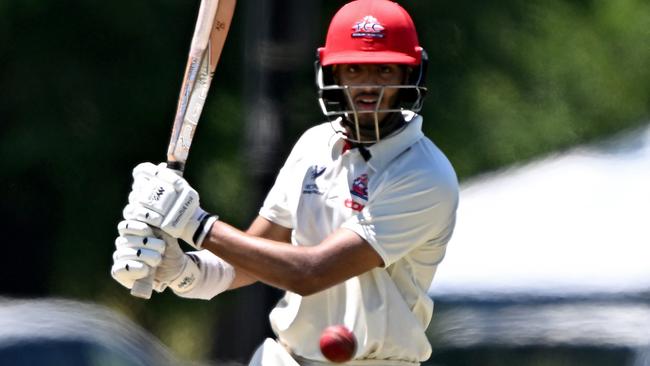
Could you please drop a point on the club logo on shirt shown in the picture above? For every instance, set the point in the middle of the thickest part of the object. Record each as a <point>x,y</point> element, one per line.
<point>316,171</point>
<point>360,187</point>
<point>359,192</point>
<point>310,186</point>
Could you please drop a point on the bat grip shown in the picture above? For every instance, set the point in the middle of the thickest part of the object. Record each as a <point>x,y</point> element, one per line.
<point>178,166</point>
<point>143,287</point>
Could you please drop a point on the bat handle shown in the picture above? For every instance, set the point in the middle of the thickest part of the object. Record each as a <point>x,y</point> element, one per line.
<point>143,287</point>
<point>177,166</point>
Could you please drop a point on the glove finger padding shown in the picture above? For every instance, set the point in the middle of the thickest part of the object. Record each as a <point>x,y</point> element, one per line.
<point>131,241</point>
<point>133,227</point>
<point>137,251</point>
<point>149,257</point>
<point>126,272</point>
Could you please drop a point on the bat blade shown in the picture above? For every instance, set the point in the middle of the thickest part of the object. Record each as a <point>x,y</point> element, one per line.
<point>212,25</point>
<point>204,56</point>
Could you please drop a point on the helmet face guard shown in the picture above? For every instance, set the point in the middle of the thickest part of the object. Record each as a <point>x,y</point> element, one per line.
<point>370,32</point>
<point>336,100</point>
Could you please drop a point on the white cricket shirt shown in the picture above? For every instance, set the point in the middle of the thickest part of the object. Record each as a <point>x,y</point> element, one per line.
<point>403,202</point>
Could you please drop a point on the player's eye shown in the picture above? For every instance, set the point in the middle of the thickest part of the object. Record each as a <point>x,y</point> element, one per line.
<point>353,69</point>
<point>386,69</point>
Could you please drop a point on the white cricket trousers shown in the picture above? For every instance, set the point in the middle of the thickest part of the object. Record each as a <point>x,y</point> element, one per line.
<point>271,353</point>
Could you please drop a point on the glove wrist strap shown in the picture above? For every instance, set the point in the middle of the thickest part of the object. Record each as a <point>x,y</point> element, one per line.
<point>205,225</point>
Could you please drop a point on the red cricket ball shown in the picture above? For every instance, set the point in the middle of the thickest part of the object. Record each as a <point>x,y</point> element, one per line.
<point>337,343</point>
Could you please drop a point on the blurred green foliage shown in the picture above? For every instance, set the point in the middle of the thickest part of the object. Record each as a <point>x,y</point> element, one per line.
<point>89,89</point>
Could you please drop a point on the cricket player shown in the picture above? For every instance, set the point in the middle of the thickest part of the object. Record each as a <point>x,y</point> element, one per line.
<point>353,228</point>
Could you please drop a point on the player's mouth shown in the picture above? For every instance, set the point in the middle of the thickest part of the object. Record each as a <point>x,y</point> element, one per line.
<point>366,102</point>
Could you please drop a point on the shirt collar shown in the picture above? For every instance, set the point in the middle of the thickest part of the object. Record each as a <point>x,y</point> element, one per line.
<point>387,149</point>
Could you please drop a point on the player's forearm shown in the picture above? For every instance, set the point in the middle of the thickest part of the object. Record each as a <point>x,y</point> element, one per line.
<point>276,263</point>
<point>242,278</point>
<point>263,228</point>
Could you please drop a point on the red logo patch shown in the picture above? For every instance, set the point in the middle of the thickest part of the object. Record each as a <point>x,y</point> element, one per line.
<point>355,206</point>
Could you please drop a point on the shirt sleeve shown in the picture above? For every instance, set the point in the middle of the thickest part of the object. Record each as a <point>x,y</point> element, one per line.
<point>276,204</point>
<point>406,214</point>
<point>276,207</point>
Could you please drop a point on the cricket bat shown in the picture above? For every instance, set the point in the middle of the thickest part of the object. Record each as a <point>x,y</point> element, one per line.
<point>212,25</point>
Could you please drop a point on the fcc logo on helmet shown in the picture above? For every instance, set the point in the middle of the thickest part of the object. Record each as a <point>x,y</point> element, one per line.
<point>369,27</point>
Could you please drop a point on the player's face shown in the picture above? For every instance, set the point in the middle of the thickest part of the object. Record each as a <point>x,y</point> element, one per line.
<point>364,80</point>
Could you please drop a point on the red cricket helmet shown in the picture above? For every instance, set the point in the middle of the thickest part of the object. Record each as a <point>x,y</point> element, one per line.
<point>370,32</point>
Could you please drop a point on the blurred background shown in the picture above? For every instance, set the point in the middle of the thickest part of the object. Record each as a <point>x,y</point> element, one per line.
<point>88,90</point>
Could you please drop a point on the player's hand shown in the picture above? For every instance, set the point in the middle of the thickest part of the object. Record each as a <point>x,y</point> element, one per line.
<point>138,251</point>
<point>162,198</point>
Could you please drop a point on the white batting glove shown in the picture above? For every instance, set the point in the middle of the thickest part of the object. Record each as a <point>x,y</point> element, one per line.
<point>138,251</point>
<point>162,198</point>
